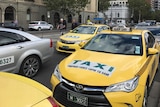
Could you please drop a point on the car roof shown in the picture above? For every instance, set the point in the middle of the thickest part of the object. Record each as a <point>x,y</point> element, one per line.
<point>96,25</point>
<point>38,21</point>
<point>132,32</point>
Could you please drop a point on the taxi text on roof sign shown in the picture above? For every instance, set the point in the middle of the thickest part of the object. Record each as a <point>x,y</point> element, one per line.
<point>93,66</point>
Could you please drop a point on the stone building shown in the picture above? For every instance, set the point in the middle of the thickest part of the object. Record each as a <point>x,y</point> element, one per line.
<point>90,12</point>
<point>155,4</point>
<point>24,11</point>
<point>118,10</point>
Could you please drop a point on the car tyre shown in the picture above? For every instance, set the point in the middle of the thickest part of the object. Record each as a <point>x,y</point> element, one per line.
<point>146,93</point>
<point>50,28</point>
<point>30,66</point>
<point>39,29</point>
<point>21,29</point>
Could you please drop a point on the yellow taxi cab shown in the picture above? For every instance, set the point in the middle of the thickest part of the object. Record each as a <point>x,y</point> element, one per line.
<point>113,69</point>
<point>19,91</point>
<point>69,42</point>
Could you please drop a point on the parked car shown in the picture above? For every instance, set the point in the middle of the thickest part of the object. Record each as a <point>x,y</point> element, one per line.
<point>19,91</point>
<point>113,69</point>
<point>40,25</point>
<point>69,42</point>
<point>22,52</point>
<point>141,24</point>
<point>12,25</point>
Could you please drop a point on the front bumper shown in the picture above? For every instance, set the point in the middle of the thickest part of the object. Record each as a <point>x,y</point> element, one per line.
<point>67,48</point>
<point>97,98</point>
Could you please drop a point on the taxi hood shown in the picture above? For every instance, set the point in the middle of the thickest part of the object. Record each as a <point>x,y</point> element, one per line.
<point>98,68</point>
<point>18,91</point>
<point>76,36</point>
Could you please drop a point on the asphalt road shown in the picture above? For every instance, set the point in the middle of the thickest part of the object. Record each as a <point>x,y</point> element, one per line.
<point>47,69</point>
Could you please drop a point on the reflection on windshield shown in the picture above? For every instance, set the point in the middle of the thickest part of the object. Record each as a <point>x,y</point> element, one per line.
<point>116,43</point>
<point>84,30</point>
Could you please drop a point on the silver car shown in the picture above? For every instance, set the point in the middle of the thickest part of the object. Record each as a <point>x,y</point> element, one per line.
<point>40,25</point>
<point>21,52</point>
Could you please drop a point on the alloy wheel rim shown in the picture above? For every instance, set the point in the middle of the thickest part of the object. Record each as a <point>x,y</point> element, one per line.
<point>145,97</point>
<point>31,67</point>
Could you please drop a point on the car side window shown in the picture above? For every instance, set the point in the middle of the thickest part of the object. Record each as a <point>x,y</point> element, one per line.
<point>105,28</point>
<point>7,38</point>
<point>100,29</point>
<point>43,23</point>
<point>150,40</point>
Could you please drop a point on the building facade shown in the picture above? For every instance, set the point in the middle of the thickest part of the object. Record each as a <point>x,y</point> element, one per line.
<point>118,10</point>
<point>24,11</point>
<point>155,4</point>
<point>89,12</point>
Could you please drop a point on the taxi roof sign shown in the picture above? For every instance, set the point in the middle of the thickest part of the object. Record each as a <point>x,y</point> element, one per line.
<point>121,28</point>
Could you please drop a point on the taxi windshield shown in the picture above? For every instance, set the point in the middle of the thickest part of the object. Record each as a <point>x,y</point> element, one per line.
<point>85,30</point>
<point>116,43</point>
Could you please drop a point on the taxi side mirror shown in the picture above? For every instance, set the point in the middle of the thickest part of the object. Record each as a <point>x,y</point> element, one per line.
<point>81,44</point>
<point>152,51</point>
<point>97,32</point>
<point>70,30</point>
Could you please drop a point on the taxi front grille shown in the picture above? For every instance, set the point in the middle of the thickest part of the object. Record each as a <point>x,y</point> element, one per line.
<point>67,42</point>
<point>67,49</point>
<point>95,99</point>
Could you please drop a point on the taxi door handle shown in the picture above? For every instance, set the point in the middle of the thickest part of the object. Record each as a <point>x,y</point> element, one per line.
<point>20,47</point>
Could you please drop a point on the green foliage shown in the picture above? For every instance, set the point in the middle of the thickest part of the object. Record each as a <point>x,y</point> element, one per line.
<point>140,9</point>
<point>103,5</point>
<point>66,6</point>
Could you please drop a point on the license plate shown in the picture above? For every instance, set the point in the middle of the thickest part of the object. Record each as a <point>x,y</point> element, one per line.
<point>6,60</point>
<point>65,47</point>
<point>76,98</point>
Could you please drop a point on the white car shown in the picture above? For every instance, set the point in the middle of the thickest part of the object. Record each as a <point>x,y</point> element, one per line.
<point>40,25</point>
<point>22,52</point>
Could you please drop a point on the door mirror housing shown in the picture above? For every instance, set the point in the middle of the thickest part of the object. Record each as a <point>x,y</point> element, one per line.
<point>152,51</point>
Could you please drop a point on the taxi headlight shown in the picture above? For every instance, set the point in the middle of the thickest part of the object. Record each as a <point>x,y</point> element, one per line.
<point>57,73</point>
<point>80,41</point>
<point>127,86</point>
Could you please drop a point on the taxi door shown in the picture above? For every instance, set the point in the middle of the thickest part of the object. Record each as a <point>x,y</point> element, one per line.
<point>153,59</point>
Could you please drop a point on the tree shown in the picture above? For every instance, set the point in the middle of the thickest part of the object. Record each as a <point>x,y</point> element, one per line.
<point>103,6</point>
<point>66,6</point>
<point>139,10</point>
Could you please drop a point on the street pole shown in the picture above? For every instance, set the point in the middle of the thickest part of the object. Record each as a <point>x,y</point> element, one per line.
<point>83,16</point>
<point>16,18</point>
<point>111,11</point>
<point>139,20</point>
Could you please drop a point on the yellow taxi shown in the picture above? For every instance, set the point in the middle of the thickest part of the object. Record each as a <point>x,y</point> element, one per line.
<point>113,69</point>
<point>19,91</point>
<point>69,42</point>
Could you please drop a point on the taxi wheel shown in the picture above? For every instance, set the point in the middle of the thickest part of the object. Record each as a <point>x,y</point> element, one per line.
<point>145,96</point>
<point>50,28</point>
<point>30,66</point>
<point>39,29</point>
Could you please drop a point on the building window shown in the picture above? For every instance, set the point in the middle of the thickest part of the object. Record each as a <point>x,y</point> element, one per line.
<point>28,14</point>
<point>118,15</point>
<point>43,17</point>
<point>69,18</point>
<point>9,13</point>
<point>80,19</point>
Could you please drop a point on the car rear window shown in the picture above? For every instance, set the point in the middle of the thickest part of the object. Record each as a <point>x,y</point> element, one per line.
<point>33,23</point>
<point>85,30</point>
<point>7,38</point>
